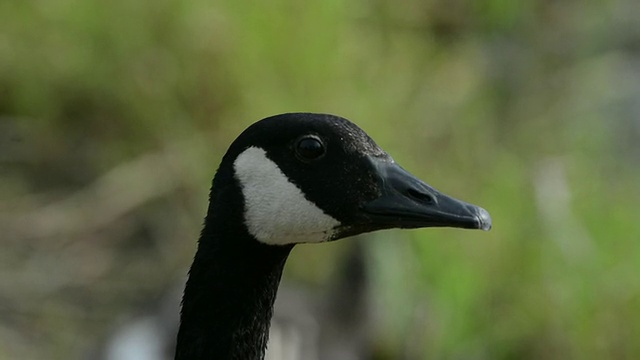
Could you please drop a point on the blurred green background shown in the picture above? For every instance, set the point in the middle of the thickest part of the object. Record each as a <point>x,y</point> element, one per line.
<point>114,116</point>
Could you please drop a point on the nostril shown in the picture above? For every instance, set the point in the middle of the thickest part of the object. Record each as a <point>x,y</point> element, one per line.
<point>421,197</point>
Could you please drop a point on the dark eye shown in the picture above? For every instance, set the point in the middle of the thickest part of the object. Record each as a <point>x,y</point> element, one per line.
<point>309,148</point>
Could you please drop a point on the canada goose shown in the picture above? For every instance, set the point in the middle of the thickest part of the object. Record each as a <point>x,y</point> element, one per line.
<point>290,179</point>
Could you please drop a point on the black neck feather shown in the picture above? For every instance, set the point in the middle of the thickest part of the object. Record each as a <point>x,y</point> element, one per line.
<point>228,300</point>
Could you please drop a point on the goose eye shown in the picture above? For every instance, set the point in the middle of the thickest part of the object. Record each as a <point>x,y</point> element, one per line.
<point>309,148</point>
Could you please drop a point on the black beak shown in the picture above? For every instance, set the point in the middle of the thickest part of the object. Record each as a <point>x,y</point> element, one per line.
<point>408,202</point>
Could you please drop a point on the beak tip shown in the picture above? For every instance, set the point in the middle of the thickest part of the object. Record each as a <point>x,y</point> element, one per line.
<point>484,219</point>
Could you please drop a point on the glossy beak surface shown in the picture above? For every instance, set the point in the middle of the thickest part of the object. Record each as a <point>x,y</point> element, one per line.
<point>407,202</point>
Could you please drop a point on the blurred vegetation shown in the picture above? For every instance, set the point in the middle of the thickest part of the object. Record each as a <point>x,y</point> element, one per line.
<point>114,116</point>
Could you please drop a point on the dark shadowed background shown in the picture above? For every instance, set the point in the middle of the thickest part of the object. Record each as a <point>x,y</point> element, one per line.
<point>114,116</point>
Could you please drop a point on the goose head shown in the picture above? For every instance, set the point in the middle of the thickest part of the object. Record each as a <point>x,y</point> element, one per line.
<point>310,178</point>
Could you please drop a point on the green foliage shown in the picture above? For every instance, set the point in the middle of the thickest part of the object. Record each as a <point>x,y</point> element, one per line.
<point>527,108</point>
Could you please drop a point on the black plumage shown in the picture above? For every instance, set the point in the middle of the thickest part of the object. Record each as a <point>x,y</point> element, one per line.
<point>228,299</point>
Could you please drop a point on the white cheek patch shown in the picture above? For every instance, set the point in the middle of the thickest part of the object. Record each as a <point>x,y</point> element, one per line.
<point>276,211</point>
